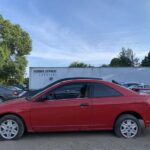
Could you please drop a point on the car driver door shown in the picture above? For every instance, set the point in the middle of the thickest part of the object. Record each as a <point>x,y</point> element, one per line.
<point>67,107</point>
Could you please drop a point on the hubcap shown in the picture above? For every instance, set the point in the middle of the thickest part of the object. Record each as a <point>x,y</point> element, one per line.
<point>9,129</point>
<point>129,128</point>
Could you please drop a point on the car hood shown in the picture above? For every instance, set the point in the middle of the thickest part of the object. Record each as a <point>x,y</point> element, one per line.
<point>15,106</point>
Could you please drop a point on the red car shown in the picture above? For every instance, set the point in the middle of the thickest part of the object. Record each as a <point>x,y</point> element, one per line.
<point>76,104</point>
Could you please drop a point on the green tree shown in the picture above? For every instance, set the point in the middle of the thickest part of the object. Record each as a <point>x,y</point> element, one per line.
<point>15,44</point>
<point>115,62</point>
<point>77,64</point>
<point>126,58</point>
<point>146,61</point>
<point>104,65</point>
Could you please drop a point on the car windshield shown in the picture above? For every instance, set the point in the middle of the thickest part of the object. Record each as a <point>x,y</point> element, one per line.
<point>37,92</point>
<point>33,93</point>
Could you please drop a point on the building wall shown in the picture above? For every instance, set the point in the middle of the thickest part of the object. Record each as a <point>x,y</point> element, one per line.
<point>42,76</point>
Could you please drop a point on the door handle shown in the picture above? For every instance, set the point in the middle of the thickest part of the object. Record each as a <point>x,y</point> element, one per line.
<point>84,105</point>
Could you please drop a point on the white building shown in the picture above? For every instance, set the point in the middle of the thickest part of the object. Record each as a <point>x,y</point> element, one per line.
<point>42,76</point>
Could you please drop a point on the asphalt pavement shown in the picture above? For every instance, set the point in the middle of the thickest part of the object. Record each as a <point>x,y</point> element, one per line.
<point>100,140</point>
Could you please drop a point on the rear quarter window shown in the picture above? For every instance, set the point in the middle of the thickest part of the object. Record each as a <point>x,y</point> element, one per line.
<point>101,90</point>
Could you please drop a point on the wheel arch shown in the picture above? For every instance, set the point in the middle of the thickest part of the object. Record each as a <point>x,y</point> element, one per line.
<point>134,113</point>
<point>15,114</point>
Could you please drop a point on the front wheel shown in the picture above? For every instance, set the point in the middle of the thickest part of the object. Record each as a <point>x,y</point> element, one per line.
<point>127,126</point>
<point>11,127</point>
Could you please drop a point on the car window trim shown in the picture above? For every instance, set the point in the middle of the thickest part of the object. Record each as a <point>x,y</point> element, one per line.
<point>70,99</point>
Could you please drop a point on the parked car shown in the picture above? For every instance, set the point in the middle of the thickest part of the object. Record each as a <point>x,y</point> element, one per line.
<point>76,104</point>
<point>22,87</point>
<point>14,88</point>
<point>128,85</point>
<point>141,88</point>
<point>137,87</point>
<point>30,93</point>
<point>6,93</point>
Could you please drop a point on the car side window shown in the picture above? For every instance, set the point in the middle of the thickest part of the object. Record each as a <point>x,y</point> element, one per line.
<point>101,90</point>
<point>68,91</point>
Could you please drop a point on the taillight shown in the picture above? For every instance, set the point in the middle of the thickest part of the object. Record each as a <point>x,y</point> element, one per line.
<point>15,93</point>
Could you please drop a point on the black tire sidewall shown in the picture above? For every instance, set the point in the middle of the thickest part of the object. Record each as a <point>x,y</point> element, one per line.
<point>18,121</point>
<point>121,119</point>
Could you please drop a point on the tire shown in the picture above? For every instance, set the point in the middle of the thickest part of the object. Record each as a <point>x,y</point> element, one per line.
<point>11,127</point>
<point>127,126</point>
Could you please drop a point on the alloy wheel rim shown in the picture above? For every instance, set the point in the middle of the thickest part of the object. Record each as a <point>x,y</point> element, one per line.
<point>129,128</point>
<point>9,129</point>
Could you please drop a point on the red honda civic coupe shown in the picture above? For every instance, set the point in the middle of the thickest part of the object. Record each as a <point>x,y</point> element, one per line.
<point>76,104</point>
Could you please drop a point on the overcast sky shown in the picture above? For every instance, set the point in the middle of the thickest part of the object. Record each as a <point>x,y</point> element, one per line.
<point>92,31</point>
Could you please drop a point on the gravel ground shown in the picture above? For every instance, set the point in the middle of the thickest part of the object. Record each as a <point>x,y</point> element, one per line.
<point>102,140</point>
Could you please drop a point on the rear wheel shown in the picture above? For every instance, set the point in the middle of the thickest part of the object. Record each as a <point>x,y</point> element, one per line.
<point>127,126</point>
<point>11,127</point>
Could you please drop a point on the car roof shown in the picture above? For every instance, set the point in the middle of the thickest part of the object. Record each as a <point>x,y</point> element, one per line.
<point>78,78</point>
